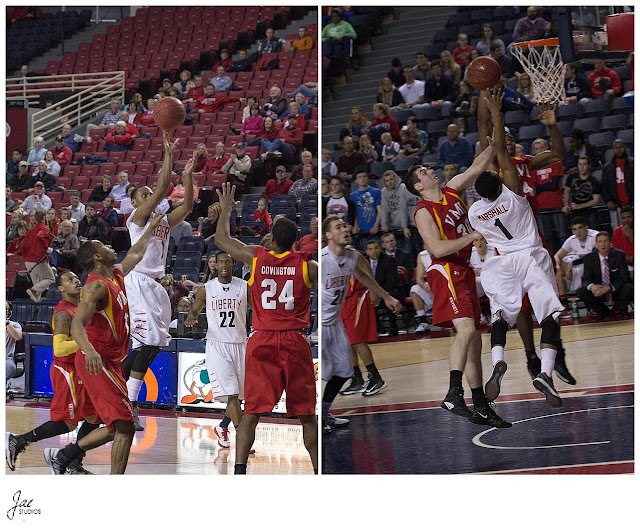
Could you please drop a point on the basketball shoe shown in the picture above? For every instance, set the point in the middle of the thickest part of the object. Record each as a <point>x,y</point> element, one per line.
<point>422,328</point>
<point>14,445</point>
<point>223,436</point>
<point>136,418</point>
<point>374,385</point>
<point>56,466</point>
<point>75,467</point>
<point>561,368</point>
<point>543,383</point>
<point>492,387</point>
<point>454,402</point>
<point>534,364</point>
<point>356,387</point>
<point>335,423</point>
<point>485,415</point>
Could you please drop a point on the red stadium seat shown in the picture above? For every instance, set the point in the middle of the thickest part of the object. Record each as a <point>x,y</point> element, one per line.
<point>97,134</point>
<point>107,169</point>
<point>144,168</point>
<point>138,180</point>
<point>184,131</point>
<point>65,182</point>
<point>70,171</point>
<point>95,181</point>
<point>151,131</point>
<point>85,196</point>
<point>156,144</point>
<point>81,183</point>
<point>193,142</point>
<point>134,156</point>
<point>141,144</point>
<point>201,130</point>
<point>118,156</point>
<point>215,180</point>
<point>127,166</point>
<point>89,171</point>
<point>219,129</point>
<point>207,118</point>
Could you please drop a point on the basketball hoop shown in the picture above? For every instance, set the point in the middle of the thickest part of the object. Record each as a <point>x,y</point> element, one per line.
<point>541,59</point>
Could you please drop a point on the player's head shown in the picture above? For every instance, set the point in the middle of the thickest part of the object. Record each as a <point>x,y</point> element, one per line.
<point>94,253</point>
<point>224,263</point>
<point>579,228</point>
<point>421,178</point>
<point>285,232</point>
<point>68,284</point>
<point>489,185</point>
<point>140,195</point>
<point>335,231</point>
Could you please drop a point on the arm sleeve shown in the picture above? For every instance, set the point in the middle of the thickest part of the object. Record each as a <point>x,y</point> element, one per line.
<point>62,346</point>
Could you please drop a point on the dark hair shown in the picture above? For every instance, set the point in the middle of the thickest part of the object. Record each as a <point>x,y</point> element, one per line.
<point>585,157</point>
<point>18,149</point>
<point>372,241</point>
<point>577,220</point>
<point>421,53</point>
<point>39,215</point>
<point>84,256</point>
<point>488,184</point>
<point>437,62</point>
<point>412,179</point>
<point>578,134</point>
<point>626,209</point>
<point>396,62</point>
<point>60,276</point>
<point>90,205</point>
<point>285,233</point>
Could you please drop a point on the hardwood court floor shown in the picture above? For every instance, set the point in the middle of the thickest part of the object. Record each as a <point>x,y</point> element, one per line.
<point>594,428</point>
<point>182,445</point>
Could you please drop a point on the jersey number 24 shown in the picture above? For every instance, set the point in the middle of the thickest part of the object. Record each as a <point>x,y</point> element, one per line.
<point>270,292</point>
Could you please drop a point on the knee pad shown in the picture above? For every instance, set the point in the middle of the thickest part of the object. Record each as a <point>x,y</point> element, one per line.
<point>550,331</point>
<point>499,330</point>
<point>144,358</point>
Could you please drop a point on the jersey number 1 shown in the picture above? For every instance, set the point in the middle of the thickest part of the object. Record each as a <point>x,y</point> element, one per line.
<point>503,229</point>
<point>269,294</point>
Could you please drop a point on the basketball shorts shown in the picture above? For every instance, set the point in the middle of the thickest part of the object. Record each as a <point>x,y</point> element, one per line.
<point>336,352</point>
<point>107,391</point>
<point>225,364</point>
<point>70,401</point>
<point>149,310</point>
<point>359,319</point>
<point>278,361</point>
<point>426,297</point>
<point>506,279</point>
<point>455,295</point>
<point>526,303</point>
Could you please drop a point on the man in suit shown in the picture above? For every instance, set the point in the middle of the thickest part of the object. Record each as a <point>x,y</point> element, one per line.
<point>385,272</point>
<point>390,247</point>
<point>606,278</point>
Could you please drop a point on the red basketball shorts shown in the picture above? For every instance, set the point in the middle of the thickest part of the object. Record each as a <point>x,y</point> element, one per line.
<point>278,361</point>
<point>107,391</point>
<point>359,319</point>
<point>70,400</point>
<point>455,294</point>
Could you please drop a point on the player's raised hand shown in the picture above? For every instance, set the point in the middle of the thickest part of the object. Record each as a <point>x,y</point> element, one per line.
<point>167,144</point>
<point>188,168</point>
<point>547,114</point>
<point>226,196</point>
<point>93,362</point>
<point>494,99</point>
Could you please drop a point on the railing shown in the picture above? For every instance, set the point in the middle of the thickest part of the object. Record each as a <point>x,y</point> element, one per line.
<point>91,93</point>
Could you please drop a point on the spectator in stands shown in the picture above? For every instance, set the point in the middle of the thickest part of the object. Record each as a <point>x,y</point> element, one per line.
<point>13,164</point>
<point>119,191</point>
<point>465,105</point>
<point>207,227</point>
<point>38,152</point>
<point>66,215</point>
<point>175,289</point>
<point>456,149</point>
<point>382,122</point>
<point>308,90</point>
<point>606,279</point>
<point>306,157</point>
<point>409,146</point>
<point>13,335</point>
<point>137,99</point>
<point>582,192</point>
<point>197,91</point>
<point>270,44</point>
<point>461,52</point>
<point>129,126</point>
<point>22,181</point>
<point>439,90</point>
<point>9,202</point>
<point>76,207</point>
<point>12,230</point>
<point>18,14</point>
<point>52,221</point>
<point>14,244</point>
<point>421,69</point>
<point>181,85</point>
<point>211,268</point>
<point>177,195</point>
<point>604,81</point>
<point>337,203</point>
<point>37,201</point>
<point>261,213</point>
<point>246,111</point>
<point>238,168</point>
<point>368,205</point>
<point>304,109</point>
<point>337,37</point>
<point>223,60</point>
<point>388,94</point>
<point>289,139</point>
<point>72,141</point>
<point>254,123</point>
<point>324,183</point>
<point>242,64</point>
<point>385,272</point>
<point>623,235</point>
<point>65,246</point>
<point>109,119</point>
<point>215,162</point>
<point>356,125</point>
<point>118,139</point>
<point>390,248</point>
<point>390,149</point>
<point>203,157</point>
<point>531,27</point>
<point>366,148</point>
<point>576,85</point>
<point>147,120</point>
<point>392,193</point>
<point>396,74</point>
<point>524,86</point>
<point>275,104</point>
<point>450,67</point>
<point>164,206</point>
<point>505,62</point>
<point>269,133</point>
<point>307,185</point>
<point>108,213</point>
<point>617,180</point>
<point>350,159</point>
<point>125,204</point>
<point>303,41</point>
<point>221,82</point>
<point>61,153</point>
<point>418,134</point>
<point>211,102</point>
<point>489,37</point>
<point>134,114</point>
<point>34,249</point>
<point>329,167</point>
<point>412,91</point>
<point>293,108</point>
<point>309,243</point>
<point>91,227</point>
<point>182,229</point>
<point>578,146</point>
<point>279,185</point>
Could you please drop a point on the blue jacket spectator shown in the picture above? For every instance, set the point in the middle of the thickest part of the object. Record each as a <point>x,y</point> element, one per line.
<point>456,150</point>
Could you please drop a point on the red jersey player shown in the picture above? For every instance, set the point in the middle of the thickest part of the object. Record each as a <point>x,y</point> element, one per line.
<point>101,330</point>
<point>70,403</point>
<point>278,353</point>
<point>441,219</point>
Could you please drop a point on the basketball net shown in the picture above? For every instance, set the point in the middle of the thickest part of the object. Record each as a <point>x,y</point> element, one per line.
<point>541,59</point>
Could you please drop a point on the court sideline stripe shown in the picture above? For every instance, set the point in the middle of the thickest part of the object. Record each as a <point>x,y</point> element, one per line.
<point>596,468</point>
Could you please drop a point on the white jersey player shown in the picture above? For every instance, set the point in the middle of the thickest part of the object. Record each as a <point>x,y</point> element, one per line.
<point>149,305</point>
<point>226,299</point>
<point>339,262</point>
<point>506,221</point>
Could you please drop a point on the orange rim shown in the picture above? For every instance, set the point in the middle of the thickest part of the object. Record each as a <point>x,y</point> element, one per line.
<point>554,41</point>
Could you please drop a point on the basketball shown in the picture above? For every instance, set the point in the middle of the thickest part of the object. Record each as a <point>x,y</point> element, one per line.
<point>169,113</point>
<point>484,73</point>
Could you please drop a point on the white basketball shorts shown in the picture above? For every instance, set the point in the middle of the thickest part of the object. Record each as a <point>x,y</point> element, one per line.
<point>225,364</point>
<point>336,352</point>
<point>149,310</point>
<point>426,297</point>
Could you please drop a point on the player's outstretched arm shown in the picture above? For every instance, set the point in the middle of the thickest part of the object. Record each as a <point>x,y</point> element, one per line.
<point>232,246</point>
<point>431,236</point>
<point>198,304</point>
<point>62,346</point>
<point>481,163</point>
<point>141,216</point>
<point>363,273</point>
<point>92,293</point>
<point>559,150</point>
<point>136,252</point>
<point>180,213</point>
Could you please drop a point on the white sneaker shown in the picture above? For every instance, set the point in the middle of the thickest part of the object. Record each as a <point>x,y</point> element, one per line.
<point>223,436</point>
<point>422,328</point>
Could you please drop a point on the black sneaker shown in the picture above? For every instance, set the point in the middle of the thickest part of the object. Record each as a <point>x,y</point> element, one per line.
<point>454,402</point>
<point>485,415</point>
<point>534,366</point>
<point>492,387</point>
<point>356,387</point>
<point>543,383</point>
<point>55,465</point>
<point>14,445</point>
<point>75,467</point>
<point>561,368</point>
<point>136,418</point>
<point>334,422</point>
<point>374,386</point>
